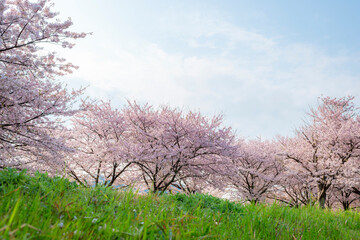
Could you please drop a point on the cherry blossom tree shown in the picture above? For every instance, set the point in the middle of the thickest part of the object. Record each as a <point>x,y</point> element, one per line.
<point>295,188</point>
<point>345,196</point>
<point>165,147</point>
<point>172,147</point>
<point>99,138</point>
<point>203,183</point>
<point>327,148</point>
<point>32,102</point>
<point>255,170</point>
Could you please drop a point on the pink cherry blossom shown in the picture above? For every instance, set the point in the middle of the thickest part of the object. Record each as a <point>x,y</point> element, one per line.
<point>326,149</point>
<point>255,170</point>
<point>32,102</point>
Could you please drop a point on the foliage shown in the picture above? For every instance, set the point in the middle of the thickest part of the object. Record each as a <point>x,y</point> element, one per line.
<point>164,146</point>
<point>255,170</point>
<point>206,202</point>
<point>326,151</point>
<point>32,102</point>
<point>40,183</point>
<point>66,211</point>
<point>100,139</point>
<point>157,147</point>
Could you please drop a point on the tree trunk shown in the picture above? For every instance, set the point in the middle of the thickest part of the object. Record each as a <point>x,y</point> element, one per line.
<point>346,205</point>
<point>323,187</point>
<point>322,199</point>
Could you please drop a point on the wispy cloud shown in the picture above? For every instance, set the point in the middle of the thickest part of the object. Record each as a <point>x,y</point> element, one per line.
<point>262,84</point>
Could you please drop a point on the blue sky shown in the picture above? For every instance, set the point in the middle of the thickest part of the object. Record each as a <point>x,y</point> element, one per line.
<point>260,63</point>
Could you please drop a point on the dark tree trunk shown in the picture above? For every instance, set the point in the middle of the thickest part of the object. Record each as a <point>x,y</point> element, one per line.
<point>322,187</point>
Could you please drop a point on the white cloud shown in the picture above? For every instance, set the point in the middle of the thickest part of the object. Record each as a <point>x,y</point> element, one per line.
<point>263,86</point>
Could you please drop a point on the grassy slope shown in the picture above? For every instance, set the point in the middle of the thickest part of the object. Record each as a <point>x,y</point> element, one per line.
<point>53,208</point>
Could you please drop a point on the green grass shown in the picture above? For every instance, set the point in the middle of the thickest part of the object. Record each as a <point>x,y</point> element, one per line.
<point>39,207</point>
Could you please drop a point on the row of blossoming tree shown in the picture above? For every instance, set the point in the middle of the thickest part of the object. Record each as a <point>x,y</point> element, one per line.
<point>165,148</point>
<point>158,148</point>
